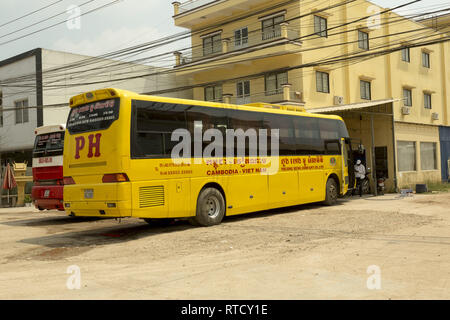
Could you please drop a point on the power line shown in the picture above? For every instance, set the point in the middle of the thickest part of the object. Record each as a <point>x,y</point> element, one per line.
<point>122,79</point>
<point>191,69</point>
<point>154,43</point>
<point>332,60</point>
<point>31,13</point>
<point>61,22</point>
<point>40,21</point>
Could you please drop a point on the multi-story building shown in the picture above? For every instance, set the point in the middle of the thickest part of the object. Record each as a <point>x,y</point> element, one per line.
<point>386,75</point>
<point>439,22</point>
<point>35,88</point>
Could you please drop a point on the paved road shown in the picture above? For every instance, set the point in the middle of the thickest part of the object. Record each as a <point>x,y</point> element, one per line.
<point>400,247</point>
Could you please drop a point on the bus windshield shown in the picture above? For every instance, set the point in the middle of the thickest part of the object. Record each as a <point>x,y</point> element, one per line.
<point>49,144</point>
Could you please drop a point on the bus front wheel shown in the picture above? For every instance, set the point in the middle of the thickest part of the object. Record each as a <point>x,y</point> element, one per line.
<point>210,208</point>
<point>332,192</point>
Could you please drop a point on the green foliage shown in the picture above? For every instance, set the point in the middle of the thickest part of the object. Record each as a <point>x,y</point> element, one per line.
<point>28,199</point>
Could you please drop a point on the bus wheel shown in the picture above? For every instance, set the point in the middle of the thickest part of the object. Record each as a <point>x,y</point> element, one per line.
<point>210,208</point>
<point>158,222</point>
<point>331,192</point>
<point>41,209</point>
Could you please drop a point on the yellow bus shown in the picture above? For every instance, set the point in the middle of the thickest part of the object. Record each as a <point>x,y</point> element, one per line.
<point>157,158</point>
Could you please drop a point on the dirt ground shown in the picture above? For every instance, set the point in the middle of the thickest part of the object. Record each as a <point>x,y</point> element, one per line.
<point>303,252</point>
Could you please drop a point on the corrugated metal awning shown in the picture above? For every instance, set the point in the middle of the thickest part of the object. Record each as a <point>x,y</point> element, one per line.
<point>353,106</point>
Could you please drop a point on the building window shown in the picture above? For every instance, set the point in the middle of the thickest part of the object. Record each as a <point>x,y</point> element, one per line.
<point>406,151</point>
<point>21,111</point>
<point>274,82</point>
<point>241,38</point>
<point>428,158</point>
<point>213,93</point>
<point>406,55</point>
<point>425,59</point>
<point>271,28</point>
<point>212,44</point>
<point>363,40</point>
<point>322,82</point>
<point>243,92</point>
<point>427,100</point>
<point>407,97</point>
<point>1,109</point>
<point>320,26</point>
<point>366,91</point>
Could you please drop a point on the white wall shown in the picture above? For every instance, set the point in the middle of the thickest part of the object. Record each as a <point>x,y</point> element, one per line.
<point>18,136</point>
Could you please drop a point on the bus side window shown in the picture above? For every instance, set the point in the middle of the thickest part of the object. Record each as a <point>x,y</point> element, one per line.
<point>332,147</point>
<point>285,125</point>
<point>245,120</point>
<point>210,118</point>
<point>307,136</point>
<point>153,127</point>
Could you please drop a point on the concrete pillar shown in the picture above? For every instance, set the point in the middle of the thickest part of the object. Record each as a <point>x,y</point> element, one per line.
<point>227,98</point>
<point>286,91</point>
<point>226,45</point>
<point>176,7</point>
<point>284,29</point>
<point>177,55</point>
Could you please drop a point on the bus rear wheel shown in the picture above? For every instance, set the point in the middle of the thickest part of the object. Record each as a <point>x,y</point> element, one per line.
<point>332,192</point>
<point>210,208</point>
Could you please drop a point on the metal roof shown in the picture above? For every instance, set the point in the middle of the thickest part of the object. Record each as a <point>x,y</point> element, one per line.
<point>353,106</point>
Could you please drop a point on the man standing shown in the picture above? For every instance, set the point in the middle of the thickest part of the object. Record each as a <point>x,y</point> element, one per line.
<point>360,175</point>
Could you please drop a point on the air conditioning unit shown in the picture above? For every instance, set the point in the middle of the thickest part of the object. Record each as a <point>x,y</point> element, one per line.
<point>406,110</point>
<point>435,116</point>
<point>338,100</point>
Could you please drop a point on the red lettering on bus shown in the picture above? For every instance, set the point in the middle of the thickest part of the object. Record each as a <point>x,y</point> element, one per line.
<point>95,145</point>
<point>79,145</point>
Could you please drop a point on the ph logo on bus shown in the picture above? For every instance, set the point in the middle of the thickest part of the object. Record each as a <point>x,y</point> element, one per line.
<point>94,145</point>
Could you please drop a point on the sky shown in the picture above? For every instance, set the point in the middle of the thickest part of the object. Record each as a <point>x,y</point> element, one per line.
<point>122,24</point>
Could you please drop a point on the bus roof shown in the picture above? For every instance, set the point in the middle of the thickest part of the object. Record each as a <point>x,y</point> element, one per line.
<point>110,93</point>
<point>50,129</point>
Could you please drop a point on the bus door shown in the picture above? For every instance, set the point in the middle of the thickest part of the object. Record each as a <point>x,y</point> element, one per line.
<point>348,155</point>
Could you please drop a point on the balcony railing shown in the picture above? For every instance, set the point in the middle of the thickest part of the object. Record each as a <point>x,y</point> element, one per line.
<point>193,4</point>
<point>235,44</point>
<point>277,97</point>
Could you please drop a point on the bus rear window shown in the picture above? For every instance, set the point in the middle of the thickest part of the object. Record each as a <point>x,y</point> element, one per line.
<point>93,116</point>
<point>49,144</point>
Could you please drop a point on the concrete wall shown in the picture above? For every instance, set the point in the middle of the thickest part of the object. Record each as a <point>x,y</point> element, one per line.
<point>14,137</point>
<point>418,133</point>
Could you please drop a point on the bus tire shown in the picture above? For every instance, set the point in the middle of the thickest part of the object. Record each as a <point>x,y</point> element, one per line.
<point>158,222</point>
<point>332,192</point>
<point>210,208</point>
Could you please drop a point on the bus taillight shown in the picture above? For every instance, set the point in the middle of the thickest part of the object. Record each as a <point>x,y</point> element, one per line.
<point>115,177</point>
<point>68,180</point>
